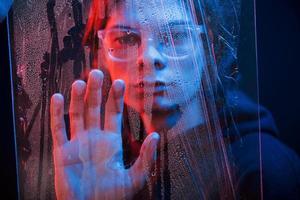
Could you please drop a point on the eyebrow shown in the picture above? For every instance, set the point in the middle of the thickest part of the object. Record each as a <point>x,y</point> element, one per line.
<point>169,24</point>
<point>178,22</point>
<point>121,26</point>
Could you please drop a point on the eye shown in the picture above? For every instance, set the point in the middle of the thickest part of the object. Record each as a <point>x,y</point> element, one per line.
<point>175,37</point>
<point>128,39</point>
<point>179,36</point>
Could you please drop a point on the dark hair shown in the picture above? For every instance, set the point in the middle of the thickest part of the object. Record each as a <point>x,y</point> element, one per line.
<point>219,20</point>
<point>222,16</point>
<point>222,19</point>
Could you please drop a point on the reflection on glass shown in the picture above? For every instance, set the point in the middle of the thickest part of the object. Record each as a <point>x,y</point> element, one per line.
<point>136,99</point>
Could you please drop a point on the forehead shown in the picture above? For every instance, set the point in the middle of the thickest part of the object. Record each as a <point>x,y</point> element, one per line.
<point>149,13</point>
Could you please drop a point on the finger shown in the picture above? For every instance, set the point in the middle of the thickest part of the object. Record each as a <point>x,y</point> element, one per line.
<point>142,167</point>
<point>114,107</point>
<point>93,99</point>
<point>58,127</point>
<point>77,108</point>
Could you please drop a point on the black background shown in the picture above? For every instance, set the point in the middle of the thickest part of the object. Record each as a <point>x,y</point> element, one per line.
<point>278,38</point>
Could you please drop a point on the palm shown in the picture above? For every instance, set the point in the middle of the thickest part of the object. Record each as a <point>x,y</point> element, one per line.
<point>90,165</point>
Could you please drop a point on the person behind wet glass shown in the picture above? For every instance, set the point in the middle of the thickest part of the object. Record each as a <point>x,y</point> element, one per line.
<point>157,62</point>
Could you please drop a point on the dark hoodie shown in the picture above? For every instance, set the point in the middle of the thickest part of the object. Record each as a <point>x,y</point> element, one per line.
<point>258,164</point>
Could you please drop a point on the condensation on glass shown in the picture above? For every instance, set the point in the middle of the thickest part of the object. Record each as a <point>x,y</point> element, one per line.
<point>206,59</point>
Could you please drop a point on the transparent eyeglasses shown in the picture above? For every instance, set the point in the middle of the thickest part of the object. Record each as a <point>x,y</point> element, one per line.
<point>124,43</point>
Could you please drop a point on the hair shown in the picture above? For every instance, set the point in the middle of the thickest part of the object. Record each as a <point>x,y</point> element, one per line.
<point>222,20</point>
<point>220,17</point>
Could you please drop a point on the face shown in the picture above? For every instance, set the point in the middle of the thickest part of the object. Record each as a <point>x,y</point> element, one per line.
<point>156,49</point>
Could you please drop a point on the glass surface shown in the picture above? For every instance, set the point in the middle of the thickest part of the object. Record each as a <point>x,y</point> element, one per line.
<point>187,68</point>
<point>175,41</point>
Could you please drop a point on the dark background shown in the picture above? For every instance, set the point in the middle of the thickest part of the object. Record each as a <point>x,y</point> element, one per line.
<point>278,38</point>
<point>278,25</point>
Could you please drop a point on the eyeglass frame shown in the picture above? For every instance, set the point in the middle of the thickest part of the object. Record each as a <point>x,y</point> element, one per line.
<point>101,36</point>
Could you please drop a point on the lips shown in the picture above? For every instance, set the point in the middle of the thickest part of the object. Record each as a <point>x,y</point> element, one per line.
<point>155,88</point>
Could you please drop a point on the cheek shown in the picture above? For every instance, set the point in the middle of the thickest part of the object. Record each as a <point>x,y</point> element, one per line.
<point>186,71</point>
<point>187,79</point>
<point>131,99</point>
<point>124,71</point>
<point>119,71</point>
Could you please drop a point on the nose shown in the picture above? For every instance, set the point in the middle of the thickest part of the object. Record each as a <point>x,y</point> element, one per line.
<point>150,57</point>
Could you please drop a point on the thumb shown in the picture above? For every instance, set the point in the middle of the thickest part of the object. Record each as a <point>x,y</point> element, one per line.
<point>143,165</point>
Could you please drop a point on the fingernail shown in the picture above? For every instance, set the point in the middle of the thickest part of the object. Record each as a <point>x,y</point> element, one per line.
<point>96,77</point>
<point>79,87</point>
<point>119,87</point>
<point>57,98</point>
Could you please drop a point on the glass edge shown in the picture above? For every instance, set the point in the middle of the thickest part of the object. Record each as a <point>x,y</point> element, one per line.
<point>11,72</point>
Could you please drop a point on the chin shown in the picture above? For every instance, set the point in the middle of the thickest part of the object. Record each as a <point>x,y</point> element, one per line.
<point>159,105</point>
<point>163,106</point>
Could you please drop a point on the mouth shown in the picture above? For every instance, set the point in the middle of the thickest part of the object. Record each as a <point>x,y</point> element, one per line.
<point>156,88</point>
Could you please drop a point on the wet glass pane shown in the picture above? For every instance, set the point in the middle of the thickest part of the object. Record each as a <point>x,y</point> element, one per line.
<point>173,113</point>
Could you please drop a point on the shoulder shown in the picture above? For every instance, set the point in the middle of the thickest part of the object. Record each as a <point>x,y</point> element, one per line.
<point>244,116</point>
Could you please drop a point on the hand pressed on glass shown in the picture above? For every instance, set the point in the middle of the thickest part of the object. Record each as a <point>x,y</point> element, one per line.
<point>90,164</point>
